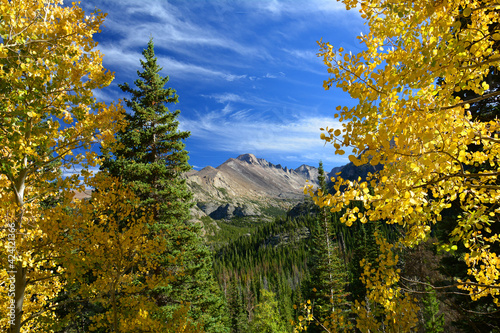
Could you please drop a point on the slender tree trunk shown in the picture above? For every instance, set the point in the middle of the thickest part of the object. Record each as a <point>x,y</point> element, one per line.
<point>20,280</point>
<point>115,314</point>
<point>325,221</point>
<point>342,246</point>
<point>20,271</point>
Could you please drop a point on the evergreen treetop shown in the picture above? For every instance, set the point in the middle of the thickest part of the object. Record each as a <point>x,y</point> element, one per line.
<point>151,155</point>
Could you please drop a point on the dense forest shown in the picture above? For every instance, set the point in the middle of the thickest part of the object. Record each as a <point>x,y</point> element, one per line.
<point>282,257</point>
<point>405,239</point>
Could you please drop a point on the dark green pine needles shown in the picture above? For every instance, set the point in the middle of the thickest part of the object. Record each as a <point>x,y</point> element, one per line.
<point>150,156</point>
<point>327,288</point>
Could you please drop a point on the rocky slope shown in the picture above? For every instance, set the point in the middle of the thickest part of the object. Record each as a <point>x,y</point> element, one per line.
<point>247,186</point>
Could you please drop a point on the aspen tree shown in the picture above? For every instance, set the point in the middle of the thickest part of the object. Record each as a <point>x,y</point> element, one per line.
<point>48,69</point>
<point>417,58</point>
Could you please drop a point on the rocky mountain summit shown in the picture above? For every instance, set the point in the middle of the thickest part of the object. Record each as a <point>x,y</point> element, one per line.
<point>247,186</point>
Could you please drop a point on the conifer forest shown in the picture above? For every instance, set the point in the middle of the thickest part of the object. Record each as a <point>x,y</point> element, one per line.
<point>402,239</point>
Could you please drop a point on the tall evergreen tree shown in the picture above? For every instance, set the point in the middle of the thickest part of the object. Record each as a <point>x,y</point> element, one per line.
<point>151,158</point>
<point>237,310</point>
<point>328,284</point>
<point>150,154</point>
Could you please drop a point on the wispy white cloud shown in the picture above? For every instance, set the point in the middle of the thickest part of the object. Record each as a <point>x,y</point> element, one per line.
<point>246,131</point>
<point>232,77</point>
<point>130,59</point>
<point>226,97</point>
<point>193,45</point>
<point>274,6</point>
<point>327,6</point>
<point>309,55</point>
<point>135,21</point>
<point>280,7</point>
<point>103,96</point>
<point>326,155</point>
<point>176,25</point>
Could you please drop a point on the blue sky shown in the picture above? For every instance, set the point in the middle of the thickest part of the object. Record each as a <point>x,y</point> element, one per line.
<point>246,72</point>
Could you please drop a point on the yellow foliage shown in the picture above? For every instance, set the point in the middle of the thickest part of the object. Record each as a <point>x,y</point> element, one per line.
<point>337,322</point>
<point>398,308</point>
<point>420,130</point>
<point>48,70</point>
<point>108,237</point>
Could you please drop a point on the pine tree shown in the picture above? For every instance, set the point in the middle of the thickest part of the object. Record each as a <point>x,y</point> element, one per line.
<point>151,158</point>
<point>327,287</point>
<point>236,307</point>
<point>150,155</point>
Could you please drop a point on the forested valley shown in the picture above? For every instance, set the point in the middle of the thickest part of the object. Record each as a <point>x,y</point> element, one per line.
<point>283,266</point>
<point>404,239</point>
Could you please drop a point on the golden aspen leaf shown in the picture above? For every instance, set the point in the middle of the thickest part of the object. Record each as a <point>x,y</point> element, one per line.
<point>354,160</point>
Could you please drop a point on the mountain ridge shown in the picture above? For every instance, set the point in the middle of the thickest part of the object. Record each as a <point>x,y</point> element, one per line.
<point>247,186</point>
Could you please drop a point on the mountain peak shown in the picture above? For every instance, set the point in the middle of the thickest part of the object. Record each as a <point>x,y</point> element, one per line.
<point>249,158</point>
<point>308,172</point>
<point>249,177</point>
<point>304,167</point>
<point>208,168</point>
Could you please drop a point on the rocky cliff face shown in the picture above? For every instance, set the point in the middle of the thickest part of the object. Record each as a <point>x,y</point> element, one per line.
<point>247,186</point>
<point>308,172</point>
